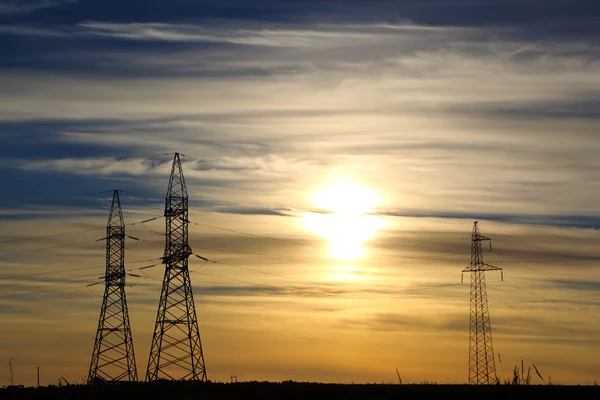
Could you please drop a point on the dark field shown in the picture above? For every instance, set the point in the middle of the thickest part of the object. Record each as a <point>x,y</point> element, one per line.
<point>293,390</point>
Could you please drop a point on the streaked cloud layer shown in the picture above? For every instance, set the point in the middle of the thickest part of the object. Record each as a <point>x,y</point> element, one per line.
<point>449,111</point>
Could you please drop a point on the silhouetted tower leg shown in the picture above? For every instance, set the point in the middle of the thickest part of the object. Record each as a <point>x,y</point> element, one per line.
<point>176,350</point>
<point>113,358</point>
<point>482,366</point>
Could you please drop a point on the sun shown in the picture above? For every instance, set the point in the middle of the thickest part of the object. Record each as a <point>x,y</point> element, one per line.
<point>346,198</point>
<point>344,218</point>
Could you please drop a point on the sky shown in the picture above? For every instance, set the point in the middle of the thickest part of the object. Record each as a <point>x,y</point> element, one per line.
<point>336,157</point>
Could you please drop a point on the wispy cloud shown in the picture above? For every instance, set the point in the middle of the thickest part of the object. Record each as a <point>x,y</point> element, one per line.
<point>269,34</point>
<point>447,123</point>
<point>27,6</point>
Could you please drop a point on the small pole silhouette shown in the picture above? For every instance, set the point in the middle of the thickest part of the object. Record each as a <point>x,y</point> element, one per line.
<point>113,358</point>
<point>11,378</point>
<point>38,376</point>
<point>176,349</point>
<point>482,366</point>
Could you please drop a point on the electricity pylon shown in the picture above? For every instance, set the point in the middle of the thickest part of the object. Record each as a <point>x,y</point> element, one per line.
<point>113,358</point>
<point>176,350</point>
<point>482,365</point>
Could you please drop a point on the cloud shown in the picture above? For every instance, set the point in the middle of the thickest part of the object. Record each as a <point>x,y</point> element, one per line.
<point>522,326</point>
<point>591,286</point>
<point>253,211</point>
<point>300,305</point>
<point>102,166</point>
<point>27,6</point>
<point>21,30</point>
<point>251,291</point>
<point>404,322</point>
<point>197,33</point>
<point>446,121</point>
<point>573,221</point>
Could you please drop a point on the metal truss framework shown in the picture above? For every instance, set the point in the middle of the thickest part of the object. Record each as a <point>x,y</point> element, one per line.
<point>113,358</point>
<point>482,366</point>
<point>176,350</point>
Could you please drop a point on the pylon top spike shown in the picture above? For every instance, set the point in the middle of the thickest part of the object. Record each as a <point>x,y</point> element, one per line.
<point>115,217</point>
<point>177,188</point>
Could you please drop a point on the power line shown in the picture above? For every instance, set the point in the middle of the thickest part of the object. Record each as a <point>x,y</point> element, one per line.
<point>152,231</point>
<point>255,270</point>
<point>294,256</point>
<point>71,232</point>
<point>49,248</point>
<point>50,236</point>
<point>238,280</point>
<point>69,244</point>
<point>540,273</point>
<point>328,285</point>
<point>255,235</point>
<point>35,291</point>
<point>560,300</point>
<point>544,321</point>
<point>307,283</point>
<point>323,284</point>
<point>72,269</point>
<point>43,286</point>
<point>336,286</point>
<point>549,300</point>
<point>49,273</point>
<point>322,246</point>
<point>554,261</point>
<point>230,265</point>
<point>77,280</point>
<point>46,291</point>
<point>380,254</point>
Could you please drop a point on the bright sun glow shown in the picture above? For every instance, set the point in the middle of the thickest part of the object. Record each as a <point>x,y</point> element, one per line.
<point>346,224</point>
<point>346,198</point>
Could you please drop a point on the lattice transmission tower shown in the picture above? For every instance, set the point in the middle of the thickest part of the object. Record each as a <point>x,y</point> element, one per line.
<point>113,358</point>
<point>482,365</point>
<point>176,350</point>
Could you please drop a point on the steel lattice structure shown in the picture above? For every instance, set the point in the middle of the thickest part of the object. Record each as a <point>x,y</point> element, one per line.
<point>482,365</point>
<point>176,350</point>
<point>113,358</point>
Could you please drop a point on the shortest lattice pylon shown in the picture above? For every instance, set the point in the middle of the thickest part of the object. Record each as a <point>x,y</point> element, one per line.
<point>482,365</point>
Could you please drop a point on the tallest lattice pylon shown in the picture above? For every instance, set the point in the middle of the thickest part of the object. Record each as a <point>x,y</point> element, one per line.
<point>176,350</point>
<point>482,366</point>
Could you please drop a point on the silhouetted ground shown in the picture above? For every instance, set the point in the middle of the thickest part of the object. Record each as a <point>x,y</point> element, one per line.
<point>294,390</point>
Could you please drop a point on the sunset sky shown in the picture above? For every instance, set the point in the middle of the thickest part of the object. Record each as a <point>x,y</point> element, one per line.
<point>336,156</point>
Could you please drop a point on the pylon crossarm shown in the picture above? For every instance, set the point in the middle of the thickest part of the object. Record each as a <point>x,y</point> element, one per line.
<point>488,267</point>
